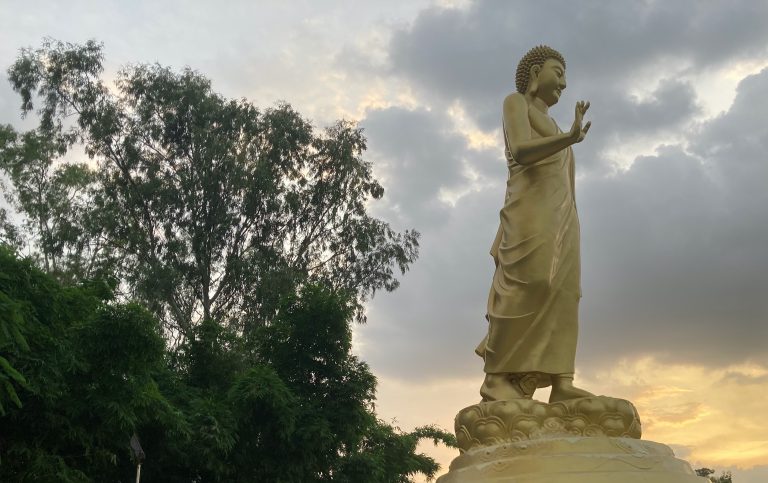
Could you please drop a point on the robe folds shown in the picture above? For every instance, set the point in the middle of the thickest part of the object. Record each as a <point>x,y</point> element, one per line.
<point>534,297</point>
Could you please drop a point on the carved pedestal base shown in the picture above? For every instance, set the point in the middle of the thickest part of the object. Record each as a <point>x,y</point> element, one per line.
<point>571,460</point>
<point>588,440</point>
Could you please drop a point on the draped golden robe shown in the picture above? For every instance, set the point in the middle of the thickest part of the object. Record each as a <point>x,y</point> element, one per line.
<point>534,298</point>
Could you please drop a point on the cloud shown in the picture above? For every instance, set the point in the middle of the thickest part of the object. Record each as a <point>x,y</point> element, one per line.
<point>430,326</point>
<point>472,53</point>
<point>712,416</point>
<point>674,248</point>
<point>417,156</point>
<point>620,118</point>
<point>694,407</point>
<point>469,56</point>
<point>264,51</point>
<point>425,167</point>
<point>741,379</point>
<point>672,204</point>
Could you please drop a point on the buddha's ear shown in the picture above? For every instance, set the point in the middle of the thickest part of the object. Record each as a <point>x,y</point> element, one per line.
<point>533,85</point>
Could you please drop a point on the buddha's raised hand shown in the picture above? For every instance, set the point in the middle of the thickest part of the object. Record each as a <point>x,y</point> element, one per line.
<point>579,132</point>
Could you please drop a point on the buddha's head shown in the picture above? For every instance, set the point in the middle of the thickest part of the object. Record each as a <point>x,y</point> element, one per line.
<point>541,73</point>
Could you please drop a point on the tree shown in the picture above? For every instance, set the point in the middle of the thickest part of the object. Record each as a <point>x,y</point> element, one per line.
<point>302,413</point>
<point>246,235</point>
<point>83,371</point>
<point>88,373</point>
<point>9,233</point>
<point>309,345</point>
<point>56,202</point>
<point>212,208</point>
<point>726,477</point>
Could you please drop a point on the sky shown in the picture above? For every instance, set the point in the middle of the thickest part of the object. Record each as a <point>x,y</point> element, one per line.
<point>671,180</point>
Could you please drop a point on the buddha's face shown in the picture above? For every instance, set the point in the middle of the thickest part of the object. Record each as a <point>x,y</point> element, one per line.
<point>550,79</point>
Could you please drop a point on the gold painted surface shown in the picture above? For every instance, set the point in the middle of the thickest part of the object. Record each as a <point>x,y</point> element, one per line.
<point>571,460</point>
<point>534,297</point>
<point>498,422</point>
<point>533,322</point>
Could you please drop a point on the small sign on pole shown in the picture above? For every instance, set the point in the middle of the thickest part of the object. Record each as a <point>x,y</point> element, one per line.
<point>138,455</point>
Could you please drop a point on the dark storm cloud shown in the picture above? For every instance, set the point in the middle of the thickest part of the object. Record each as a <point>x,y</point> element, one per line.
<point>670,105</point>
<point>675,248</point>
<point>470,56</point>
<point>619,118</point>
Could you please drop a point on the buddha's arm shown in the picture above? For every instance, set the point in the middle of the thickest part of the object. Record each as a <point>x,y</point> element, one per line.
<point>522,147</point>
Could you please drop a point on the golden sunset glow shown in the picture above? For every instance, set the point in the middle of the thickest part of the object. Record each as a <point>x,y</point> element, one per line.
<point>671,183</point>
<point>712,414</point>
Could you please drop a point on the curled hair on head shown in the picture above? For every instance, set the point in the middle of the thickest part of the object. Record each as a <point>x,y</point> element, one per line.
<point>536,56</point>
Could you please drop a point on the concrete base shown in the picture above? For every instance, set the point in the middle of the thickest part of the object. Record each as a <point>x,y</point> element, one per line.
<point>574,459</point>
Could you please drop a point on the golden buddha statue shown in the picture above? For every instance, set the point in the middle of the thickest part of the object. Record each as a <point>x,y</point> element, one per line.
<point>533,323</point>
<point>534,298</point>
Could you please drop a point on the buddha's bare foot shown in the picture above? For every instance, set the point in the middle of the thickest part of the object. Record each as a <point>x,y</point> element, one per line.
<point>500,387</point>
<point>563,389</point>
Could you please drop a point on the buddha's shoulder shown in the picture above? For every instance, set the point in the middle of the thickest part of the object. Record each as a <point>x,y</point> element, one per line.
<point>515,101</point>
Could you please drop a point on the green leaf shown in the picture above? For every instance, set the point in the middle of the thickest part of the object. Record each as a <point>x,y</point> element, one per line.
<point>242,237</point>
<point>15,375</point>
<point>12,393</point>
<point>19,338</point>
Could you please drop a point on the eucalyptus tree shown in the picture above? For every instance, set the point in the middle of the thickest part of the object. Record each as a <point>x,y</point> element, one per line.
<point>245,231</point>
<point>203,207</point>
<point>55,199</point>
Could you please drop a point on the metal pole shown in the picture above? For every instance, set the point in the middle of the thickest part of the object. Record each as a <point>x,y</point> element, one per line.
<point>138,473</point>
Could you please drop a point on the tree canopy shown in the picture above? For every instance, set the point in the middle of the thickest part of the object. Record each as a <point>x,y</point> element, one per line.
<point>82,373</point>
<point>190,286</point>
<point>82,377</point>
<point>203,207</point>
